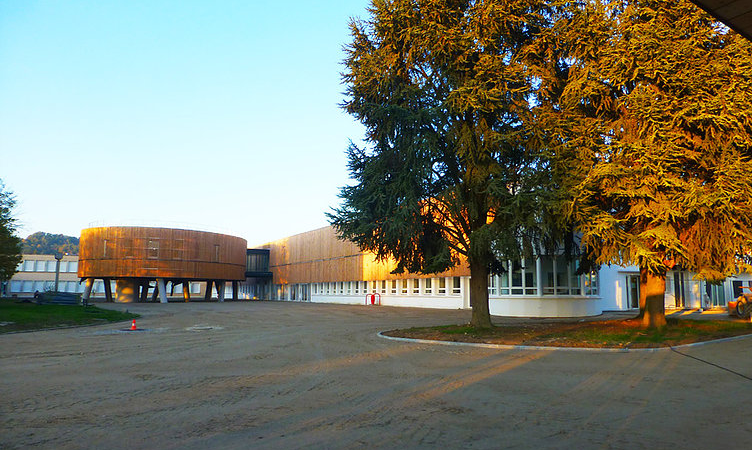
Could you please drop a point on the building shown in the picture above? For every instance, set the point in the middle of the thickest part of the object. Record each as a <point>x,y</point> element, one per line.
<point>315,266</point>
<point>143,261</point>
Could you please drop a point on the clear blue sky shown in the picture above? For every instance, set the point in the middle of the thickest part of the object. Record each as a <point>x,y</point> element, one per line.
<point>219,114</point>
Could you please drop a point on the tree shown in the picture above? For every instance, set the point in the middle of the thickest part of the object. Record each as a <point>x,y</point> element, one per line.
<point>654,131</point>
<point>41,243</point>
<point>10,244</point>
<point>444,90</point>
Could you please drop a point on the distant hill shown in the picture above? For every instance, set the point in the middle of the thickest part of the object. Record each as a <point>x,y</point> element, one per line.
<point>41,243</point>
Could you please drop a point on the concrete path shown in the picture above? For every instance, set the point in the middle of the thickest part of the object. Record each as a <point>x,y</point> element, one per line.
<point>273,375</point>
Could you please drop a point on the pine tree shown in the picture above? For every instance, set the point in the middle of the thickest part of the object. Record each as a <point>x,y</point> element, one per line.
<point>10,244</point>
<point>653,132</point>
<point>444,90</point>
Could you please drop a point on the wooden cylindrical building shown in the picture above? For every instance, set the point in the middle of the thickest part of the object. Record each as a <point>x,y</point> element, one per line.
<point>137,256</point>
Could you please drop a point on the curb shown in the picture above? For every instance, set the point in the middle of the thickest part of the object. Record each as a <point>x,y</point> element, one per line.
<point>549,348</point>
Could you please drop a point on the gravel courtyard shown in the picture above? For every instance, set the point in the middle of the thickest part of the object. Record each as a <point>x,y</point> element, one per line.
<point>274,375</point>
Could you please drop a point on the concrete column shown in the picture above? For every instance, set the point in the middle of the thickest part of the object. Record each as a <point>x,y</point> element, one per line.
<point>208,293</point>
<point>539,276</point>
<point>107,289</point>
<point>126,290</point>
<point>87,289</point>
<point>465,292</point>
<point>144,286</point>
<point>162,290</point>
<point>235,285</point>
<point>220,290</point>
<point>186,291</point>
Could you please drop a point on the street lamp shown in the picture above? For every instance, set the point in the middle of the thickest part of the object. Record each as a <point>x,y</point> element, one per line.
<point>58,257</point>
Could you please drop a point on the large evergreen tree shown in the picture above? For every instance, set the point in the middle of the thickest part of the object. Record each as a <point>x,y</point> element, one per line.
<point>10,244</point>
<point>444,89</point>
<point>653,133</point>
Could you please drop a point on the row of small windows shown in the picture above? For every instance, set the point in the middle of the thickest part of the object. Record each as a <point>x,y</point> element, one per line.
<point>31,265</point>
<point>28,286</point>
<point>416,286</point>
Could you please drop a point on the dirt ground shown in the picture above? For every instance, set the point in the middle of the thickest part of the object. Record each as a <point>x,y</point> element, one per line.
<point>273,375</point>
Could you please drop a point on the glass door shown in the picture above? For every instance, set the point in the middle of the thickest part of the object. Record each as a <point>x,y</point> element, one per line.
<point>633,291</point>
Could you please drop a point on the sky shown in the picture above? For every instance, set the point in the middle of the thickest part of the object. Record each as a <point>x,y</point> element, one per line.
<point>216,115</point>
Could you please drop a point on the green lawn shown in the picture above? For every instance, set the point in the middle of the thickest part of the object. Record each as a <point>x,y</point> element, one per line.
<point>606,334</point>
<point>24,316</point>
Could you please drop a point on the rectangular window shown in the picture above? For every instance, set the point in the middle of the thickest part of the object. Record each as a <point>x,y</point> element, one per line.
<point>428,286</point>
<point>349,287</point>
<point>152,248</point>
<point>493,285</point>
<point>416,286</point>
<point>177,249</point>
<point>456,285</point>
<point>29,265</point>
<point>72,266</point>
<point>393,287</point>
<point>51,266</point>
<point>383,287</point>
<point>40,266</point>
<point>105,244</point>
<point>216,252</point>
<point>405,286</point>
<point>442,285</point>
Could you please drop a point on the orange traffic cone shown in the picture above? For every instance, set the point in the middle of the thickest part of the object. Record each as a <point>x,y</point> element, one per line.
<point>133,325</point>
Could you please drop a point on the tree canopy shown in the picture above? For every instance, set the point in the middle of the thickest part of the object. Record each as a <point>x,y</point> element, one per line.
<point>10,244</point>
<point>654,138</point>
<point>41,243</point>
<point>444,90</point>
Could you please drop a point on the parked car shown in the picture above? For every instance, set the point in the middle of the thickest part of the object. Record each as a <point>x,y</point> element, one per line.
<point>742,306</point>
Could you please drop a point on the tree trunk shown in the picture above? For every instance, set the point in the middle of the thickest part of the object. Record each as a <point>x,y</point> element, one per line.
<point>653,310</point>
<point>479,294</point>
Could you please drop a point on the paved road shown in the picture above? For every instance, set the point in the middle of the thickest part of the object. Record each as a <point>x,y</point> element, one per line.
<point>273,375</point>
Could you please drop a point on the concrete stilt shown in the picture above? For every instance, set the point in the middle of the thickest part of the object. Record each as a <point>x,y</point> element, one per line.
<point>126,290</point>
<point>162,290</point>
<point>208,293</point>
<point>235,290</point>
<point>220,290</point>
<point>154,293</point>
<point>87,289</point>
<point>143,286</point>
<point>186,291</point>
<point>107,289</point>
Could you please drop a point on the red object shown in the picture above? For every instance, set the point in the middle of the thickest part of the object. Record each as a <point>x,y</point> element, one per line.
<point>133,325</point>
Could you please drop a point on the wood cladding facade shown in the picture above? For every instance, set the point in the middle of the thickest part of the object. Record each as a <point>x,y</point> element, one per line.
<point>143,252</point>
<point>318,256</point>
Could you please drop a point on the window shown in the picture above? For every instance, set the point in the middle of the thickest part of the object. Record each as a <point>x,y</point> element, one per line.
<point>216,252</point>
<point>51,266</point>
<point>29,265</point>
<point>72,266</point>
<point>428,286</point>
<point>393,287</point>
<point>442,285</point>
<point>357,287</point>
<point>383,287</point>
<point>40,266</point>
<point>493,283</point>
<point>405,286</point>
<point>416,286</point>
<point>349,287</point>
<point>152,248</point>
<point>177,248</point>
<point>456,285</point>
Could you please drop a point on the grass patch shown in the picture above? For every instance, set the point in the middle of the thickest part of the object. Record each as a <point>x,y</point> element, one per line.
<point>605,334</point>
<point>23,316</point>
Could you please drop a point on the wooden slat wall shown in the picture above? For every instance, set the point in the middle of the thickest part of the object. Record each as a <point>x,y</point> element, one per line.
<point>184,254</point>
<point>318,256</point>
